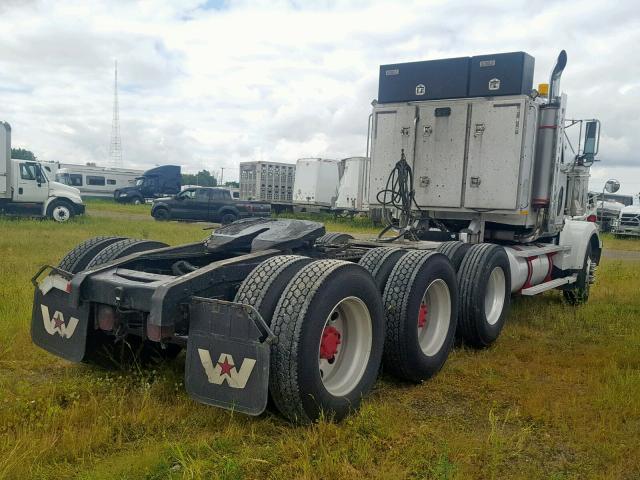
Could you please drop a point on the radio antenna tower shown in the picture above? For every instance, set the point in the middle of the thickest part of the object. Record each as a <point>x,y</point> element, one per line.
<point>115,149</point>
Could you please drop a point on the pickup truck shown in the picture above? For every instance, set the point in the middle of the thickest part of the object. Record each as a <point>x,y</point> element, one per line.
<point>207,204</point>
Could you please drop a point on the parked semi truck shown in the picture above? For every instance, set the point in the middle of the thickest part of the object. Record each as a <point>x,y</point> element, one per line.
<point>469,165</point>
<point>154,183</point>
<point>26,190</point>
<point>628,223</point>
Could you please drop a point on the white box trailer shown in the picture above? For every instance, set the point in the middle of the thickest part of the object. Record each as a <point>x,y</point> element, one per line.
<point>354,182</point>
<point>316,182</point>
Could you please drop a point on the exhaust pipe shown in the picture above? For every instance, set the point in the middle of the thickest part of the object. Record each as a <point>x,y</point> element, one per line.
<point>547,138</point>
<point>554,82</point>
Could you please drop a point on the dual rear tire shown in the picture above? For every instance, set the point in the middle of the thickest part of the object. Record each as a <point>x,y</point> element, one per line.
<point>484,279</point>
<point>328,319</point>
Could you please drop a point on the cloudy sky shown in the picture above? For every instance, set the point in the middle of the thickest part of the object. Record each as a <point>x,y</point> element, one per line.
<point>207,84</point>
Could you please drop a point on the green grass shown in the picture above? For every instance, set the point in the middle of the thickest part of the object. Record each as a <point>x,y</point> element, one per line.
<point>621,243</point>
<point>558,396</point>
<point>106,205</point>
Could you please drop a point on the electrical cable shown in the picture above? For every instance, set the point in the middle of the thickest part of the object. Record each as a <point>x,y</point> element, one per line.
<point>398,194</point>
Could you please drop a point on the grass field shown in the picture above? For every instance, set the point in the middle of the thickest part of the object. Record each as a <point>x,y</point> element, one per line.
<point>558,396</point>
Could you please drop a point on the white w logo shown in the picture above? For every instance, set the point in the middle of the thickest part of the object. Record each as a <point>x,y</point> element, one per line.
<point>225,369</point>
<point>57,324</point>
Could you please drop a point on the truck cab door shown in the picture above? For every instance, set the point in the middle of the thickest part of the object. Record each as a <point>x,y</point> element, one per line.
<point>201,204</point>
<point>149,187</point>
<point>218,200</point>
<point>183,206</point>
<point>31,185</point>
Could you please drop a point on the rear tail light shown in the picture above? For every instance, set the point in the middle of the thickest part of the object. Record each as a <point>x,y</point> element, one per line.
<point>157,333</point>
<point>106,317</point>
<point>592,218</point>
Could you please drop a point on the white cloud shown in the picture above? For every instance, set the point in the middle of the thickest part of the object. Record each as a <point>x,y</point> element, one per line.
<point>212,83</point>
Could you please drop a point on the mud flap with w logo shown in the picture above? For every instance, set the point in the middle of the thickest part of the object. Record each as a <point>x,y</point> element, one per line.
<point>58,327</point>
<point>227,356</point>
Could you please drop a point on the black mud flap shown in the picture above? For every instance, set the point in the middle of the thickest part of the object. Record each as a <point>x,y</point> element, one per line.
<point>56,326</point>
<point>228,354</point>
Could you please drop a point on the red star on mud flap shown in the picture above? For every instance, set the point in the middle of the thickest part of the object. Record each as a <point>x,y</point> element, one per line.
<point>225,367</point>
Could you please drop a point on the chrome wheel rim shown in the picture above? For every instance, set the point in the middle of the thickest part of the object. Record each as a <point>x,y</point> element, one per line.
<point>434,317</point>
<point>494,296</point>
<point>61,213</point>
<point>345,346</point>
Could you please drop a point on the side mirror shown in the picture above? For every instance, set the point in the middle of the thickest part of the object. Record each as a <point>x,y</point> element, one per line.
<point>591,139</point>
<point>612,186</point>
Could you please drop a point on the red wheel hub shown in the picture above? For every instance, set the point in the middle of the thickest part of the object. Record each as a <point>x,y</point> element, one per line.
<point>422,315</point>
<point>329,343</point>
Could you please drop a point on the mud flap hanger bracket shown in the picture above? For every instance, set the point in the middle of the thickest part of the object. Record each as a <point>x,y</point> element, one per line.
<point>63,273</point>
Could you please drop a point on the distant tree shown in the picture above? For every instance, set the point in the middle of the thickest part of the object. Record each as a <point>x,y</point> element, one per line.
<point>22,154</point>
<point>232,184</point>
<point>202,178</point>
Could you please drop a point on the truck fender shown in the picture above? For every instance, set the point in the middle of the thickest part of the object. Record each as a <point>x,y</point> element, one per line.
<point>50,200</point>
<point>229,209</point>
<point>578,235</point>
<point>157,205</point>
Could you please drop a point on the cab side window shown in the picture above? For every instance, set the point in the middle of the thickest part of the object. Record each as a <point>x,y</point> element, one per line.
<point>188,194</point>
<point>27,171</point>
<point>219,195</point>
<point>202,195</point>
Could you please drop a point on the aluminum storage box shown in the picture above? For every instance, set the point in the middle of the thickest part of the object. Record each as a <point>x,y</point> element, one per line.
<point>501,74</point>
<point>428,80</point>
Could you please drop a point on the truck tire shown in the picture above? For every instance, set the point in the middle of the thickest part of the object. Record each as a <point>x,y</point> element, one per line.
<point>78,258</point>
<point>421,307</point>
<point>333,238</point>
<point>60,211</point>
<point>228,217</point>
<point>263,287</point>
<point>122,249</point>
<point>379,262</point>
<point>330,334</point>
<point>484,279</point>
<point>455,250</point>
<point>161,214</point>
<point>579,291</point>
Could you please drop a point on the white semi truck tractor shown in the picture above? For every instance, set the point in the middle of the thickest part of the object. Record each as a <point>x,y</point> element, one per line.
<point>482,201</point>
<point>26,190</point>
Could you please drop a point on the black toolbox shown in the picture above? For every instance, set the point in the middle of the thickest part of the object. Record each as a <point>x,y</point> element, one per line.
<point>427,80</point>
<point>501,74</point>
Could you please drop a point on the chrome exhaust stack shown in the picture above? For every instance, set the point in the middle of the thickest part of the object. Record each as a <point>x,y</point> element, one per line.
<point>554,82</point>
